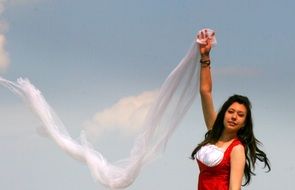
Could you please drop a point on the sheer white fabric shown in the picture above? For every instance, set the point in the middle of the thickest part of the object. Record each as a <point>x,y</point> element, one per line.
<point>210,155</point>
<point>175,98</point>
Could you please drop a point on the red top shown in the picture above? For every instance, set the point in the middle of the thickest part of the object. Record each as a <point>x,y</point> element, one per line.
<point>216,177</point>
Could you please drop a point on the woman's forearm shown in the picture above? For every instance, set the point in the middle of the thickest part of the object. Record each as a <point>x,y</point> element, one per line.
<point>206,92</point>
<point>205,76</point>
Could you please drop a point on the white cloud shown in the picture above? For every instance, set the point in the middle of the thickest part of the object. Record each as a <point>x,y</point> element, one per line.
<point>127,115</point>
<point>2,6</point>
<point>4,59</point>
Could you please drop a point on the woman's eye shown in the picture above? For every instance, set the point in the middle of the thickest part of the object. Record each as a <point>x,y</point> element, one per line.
<point>241,115</point>
<point>230,111</point>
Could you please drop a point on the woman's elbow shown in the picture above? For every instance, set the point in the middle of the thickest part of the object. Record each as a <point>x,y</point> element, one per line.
<point>204,91</point>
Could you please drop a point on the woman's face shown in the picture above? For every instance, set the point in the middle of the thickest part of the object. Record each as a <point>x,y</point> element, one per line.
<point>235,117</point>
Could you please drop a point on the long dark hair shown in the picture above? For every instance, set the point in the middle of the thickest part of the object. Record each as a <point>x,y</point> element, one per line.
<point>245,135</point>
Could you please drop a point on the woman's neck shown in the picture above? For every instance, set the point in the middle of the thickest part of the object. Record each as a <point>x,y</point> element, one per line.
<point>225,137</point>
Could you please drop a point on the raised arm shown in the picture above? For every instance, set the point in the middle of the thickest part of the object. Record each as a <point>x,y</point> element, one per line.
<point>206,81</point>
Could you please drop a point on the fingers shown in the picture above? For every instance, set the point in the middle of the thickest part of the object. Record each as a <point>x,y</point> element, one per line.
<point>206,33</point>
<point>205,36</point>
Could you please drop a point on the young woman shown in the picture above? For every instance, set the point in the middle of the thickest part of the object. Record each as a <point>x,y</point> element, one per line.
<point>229,151</point>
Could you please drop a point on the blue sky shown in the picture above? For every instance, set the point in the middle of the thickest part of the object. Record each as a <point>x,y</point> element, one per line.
<point>86,55</point>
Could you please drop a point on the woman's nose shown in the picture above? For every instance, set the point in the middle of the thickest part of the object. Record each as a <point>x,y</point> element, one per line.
<point>234,116</point>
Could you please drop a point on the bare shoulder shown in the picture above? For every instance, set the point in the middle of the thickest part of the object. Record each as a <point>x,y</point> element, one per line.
<point>238,151</point>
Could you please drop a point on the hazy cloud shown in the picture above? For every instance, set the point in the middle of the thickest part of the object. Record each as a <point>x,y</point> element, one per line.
<point>126,115</point>
<point>2,6</point>
<point>4,59</point>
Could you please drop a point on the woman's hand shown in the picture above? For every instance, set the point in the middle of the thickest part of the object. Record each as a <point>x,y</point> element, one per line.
<point>205,46</point>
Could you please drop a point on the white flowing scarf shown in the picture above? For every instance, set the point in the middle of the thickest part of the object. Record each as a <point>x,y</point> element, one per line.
<point>175,98</point>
